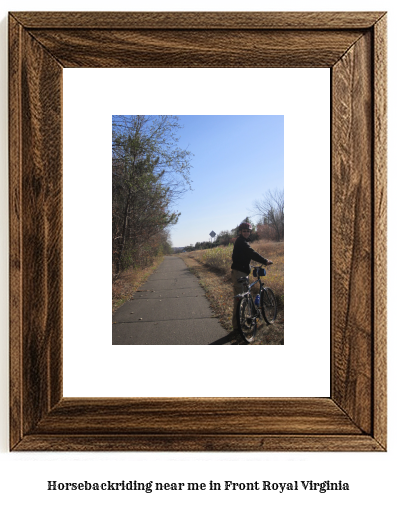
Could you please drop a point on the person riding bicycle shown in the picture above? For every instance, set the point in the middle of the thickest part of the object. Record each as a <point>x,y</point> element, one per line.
<point>242,255</point>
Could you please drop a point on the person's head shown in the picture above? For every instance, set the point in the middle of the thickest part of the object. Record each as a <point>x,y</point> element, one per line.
<point>245,229</point>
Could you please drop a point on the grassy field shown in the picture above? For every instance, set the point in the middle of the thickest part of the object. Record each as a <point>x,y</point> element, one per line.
<point>220,259</point>
<point>212,267</point>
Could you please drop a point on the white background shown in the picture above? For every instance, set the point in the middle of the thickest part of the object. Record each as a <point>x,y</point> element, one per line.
<point>302,96</point>
<point>23,477</point>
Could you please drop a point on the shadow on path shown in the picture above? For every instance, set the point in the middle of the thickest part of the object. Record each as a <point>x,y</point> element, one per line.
<point>230,339</point>
<point>169,309</point>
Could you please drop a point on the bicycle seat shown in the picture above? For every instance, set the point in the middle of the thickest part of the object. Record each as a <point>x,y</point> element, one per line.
<point>242,279</point>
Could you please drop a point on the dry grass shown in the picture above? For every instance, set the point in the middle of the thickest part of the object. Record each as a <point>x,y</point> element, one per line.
<point>129,282</point>
<point>212,267</point>
<point>220,259</point>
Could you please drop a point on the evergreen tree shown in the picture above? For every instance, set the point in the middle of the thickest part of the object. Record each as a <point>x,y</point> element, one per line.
<point>150,172</point>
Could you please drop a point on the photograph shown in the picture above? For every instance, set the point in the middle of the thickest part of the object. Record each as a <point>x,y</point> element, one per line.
<point>198,230</point>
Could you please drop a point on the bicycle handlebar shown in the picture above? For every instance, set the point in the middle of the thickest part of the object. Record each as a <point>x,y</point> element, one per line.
<point>261,265</point>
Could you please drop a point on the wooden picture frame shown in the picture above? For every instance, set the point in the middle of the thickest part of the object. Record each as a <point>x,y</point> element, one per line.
<point>353,46</point>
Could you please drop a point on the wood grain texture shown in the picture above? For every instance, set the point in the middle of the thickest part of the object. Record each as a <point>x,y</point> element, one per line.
<point>196,48</point>
<point>353,45</point>
<point>202,20</point>
<point>197,416</point>
<point>199,443</point>
<point>15,230</point>
<point>380,230</point>
<point>352,232</point>
<point>36,230</point>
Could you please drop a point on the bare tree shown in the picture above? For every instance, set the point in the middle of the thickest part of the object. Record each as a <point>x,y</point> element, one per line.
<point>150,172</point>
<point>271,210</point>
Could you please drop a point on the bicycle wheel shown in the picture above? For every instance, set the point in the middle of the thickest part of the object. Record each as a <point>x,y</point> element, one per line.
<point>268,305</point>
<point>246,319</point>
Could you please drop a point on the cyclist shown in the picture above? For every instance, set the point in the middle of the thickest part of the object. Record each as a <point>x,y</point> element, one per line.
<point>242,255</point>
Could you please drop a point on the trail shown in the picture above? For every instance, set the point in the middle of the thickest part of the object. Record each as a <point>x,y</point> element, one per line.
<point>169,309</point>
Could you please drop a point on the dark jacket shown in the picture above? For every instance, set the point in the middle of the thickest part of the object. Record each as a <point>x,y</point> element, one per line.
<point>243,254</point>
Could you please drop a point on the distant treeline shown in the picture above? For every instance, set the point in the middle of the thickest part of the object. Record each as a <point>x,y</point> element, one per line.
<point>149,174</point>
<point>223,238</point>
<point>270,225</point>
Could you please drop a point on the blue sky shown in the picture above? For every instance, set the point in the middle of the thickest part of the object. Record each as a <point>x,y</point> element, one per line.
<point>236,160</point>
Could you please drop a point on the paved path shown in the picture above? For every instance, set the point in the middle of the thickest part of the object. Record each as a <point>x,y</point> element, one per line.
<point>169,309</point>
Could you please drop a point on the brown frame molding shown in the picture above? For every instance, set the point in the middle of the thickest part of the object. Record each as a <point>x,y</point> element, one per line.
<point>353,46</point>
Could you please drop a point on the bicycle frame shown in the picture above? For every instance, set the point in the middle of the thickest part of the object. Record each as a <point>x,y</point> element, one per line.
<point>247,322</point>
<point>261,284</point>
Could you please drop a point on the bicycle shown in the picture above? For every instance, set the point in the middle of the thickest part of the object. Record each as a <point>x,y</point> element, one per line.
<point>247,311</point>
